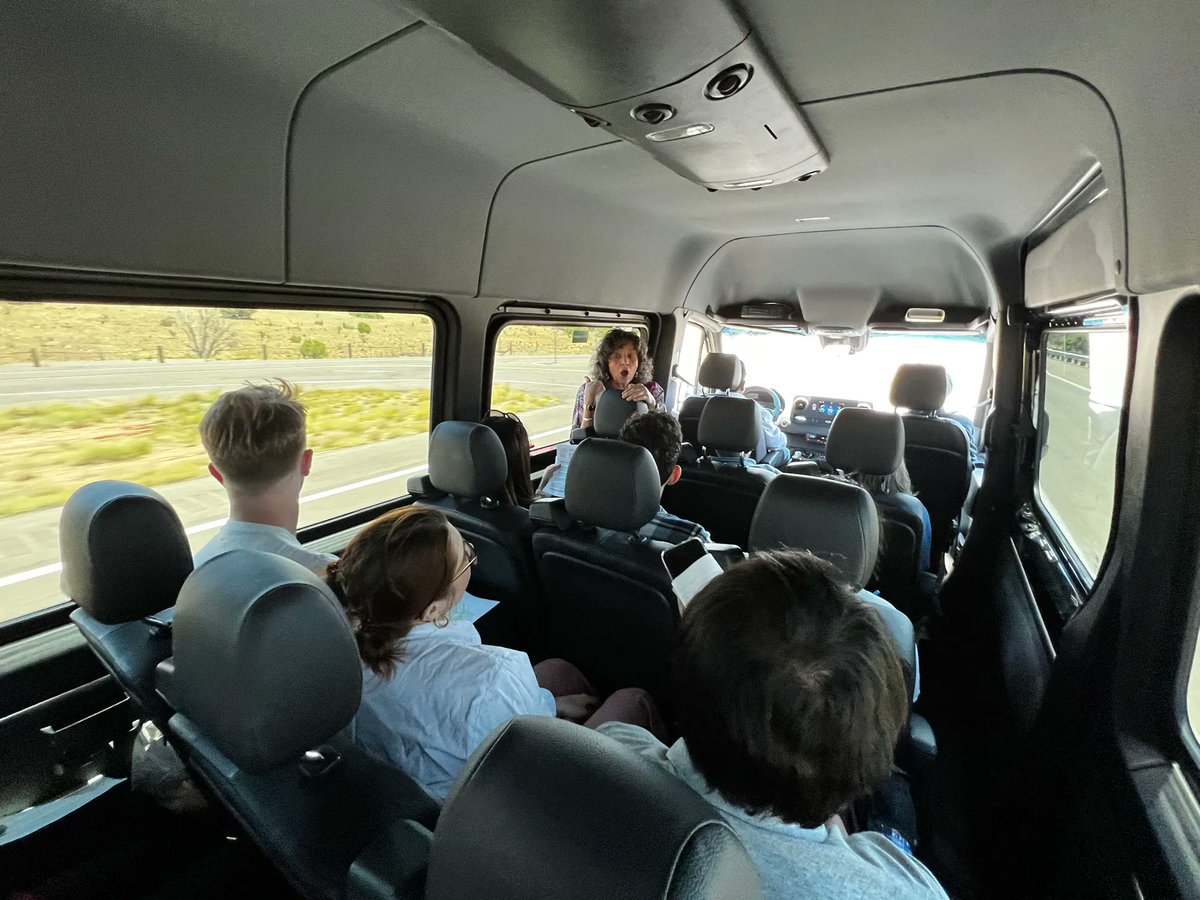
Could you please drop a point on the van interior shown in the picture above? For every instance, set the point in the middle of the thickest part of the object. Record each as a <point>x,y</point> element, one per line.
<point>424,211</point>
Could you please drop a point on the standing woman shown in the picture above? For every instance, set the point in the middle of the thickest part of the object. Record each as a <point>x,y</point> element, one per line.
<point>621,361</point>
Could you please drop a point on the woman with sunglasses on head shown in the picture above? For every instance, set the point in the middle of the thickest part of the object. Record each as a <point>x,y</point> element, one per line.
<point>432,690</point>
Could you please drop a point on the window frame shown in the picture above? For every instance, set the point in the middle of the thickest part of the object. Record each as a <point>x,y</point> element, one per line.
<point>705,348</point>
<point>102,290</point>
<point>1074,565</point>
<point>517,315</point>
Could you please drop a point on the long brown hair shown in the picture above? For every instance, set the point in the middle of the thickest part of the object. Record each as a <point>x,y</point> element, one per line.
<point>518,487</point>
<point>389,573</point>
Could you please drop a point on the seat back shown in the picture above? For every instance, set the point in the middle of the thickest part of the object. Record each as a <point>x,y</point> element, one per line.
<point>869,442</point>
<point>839,523</point>
<point>467,471</point>
<point>266,676</point>
<point>721,492</point>
<point>937,451</point>
<point>568,813</point>
<point>610,608</point>
<point>125,556</point>
<point>718,372</point>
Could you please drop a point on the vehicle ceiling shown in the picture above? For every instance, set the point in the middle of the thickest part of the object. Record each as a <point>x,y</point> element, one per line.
<point>351,145</point>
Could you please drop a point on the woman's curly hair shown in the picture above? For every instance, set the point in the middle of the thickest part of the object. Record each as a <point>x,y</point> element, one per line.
<point>611,343</point>
<point>389,573</point>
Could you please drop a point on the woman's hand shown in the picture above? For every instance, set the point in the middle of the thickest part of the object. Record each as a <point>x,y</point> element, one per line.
<point>577,707</point>
<point>639,393</point>
<point>591,394</point>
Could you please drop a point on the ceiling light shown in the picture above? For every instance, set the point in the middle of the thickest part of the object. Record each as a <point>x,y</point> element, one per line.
<point>927,314</point>
<point>754,182</point>
<point>683,131</point>
<point>814,219</point>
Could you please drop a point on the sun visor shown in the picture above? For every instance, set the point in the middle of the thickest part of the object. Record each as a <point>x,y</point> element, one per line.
<point>1077,262</point>
<point>690,87</point>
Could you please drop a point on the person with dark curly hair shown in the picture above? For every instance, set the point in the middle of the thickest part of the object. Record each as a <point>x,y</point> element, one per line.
<point>621,361</point>
<point>791,698</point>
<point>432,690</point>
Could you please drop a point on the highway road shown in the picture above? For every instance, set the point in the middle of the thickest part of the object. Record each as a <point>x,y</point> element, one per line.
<point>1078,477</point>
<point>25,385</point>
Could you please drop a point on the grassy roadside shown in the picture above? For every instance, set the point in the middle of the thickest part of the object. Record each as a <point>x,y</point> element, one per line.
<point>49,450</point>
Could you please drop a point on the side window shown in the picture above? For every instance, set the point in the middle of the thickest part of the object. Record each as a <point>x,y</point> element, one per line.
<point>1082,395</point>
<point>537,371</point>
<point>692,351</point>
<point>116,391</point>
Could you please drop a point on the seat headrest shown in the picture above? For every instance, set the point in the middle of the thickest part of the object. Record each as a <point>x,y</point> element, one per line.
<point>124,551</point>
<point>831,519</point>
<point>866,440</point>
<point>920,387</point>
<point>265,663</point>
<point>570,812</point>
<point>466,459</point>
<point>613,485</point>
<point>729,423</point>
<point>721,372</point>
<point>612,411</point>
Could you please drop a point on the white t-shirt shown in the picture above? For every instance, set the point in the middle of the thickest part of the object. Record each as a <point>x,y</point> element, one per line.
<point>449,692</point>
<point>794,861</point>
<point>235,535</point>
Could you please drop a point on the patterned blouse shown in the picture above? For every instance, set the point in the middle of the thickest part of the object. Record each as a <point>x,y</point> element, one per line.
<point>654,387</point>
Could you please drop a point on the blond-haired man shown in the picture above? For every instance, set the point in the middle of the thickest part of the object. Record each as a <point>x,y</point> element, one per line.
<point>257,447</point>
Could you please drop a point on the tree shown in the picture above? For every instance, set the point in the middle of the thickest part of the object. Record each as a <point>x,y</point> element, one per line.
<point>207,334</point>
<point>310,348</point>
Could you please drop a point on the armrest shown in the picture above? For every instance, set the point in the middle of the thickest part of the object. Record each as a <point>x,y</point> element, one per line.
<point>421,487</point>
<point>393,865</point>
<point>550,511</point>
<point>164,682</point>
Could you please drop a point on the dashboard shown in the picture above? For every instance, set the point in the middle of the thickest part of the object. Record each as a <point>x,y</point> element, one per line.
<point>809,418</point>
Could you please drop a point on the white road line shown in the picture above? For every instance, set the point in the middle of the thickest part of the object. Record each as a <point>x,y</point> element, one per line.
<point>1065,381</point>
<point>32,573</point>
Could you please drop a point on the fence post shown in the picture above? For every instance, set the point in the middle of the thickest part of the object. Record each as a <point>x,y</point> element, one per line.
<point>101,356</point>
<point>160,354</point>
<point>350,351</point>
<point>422,348</point>
<point>37,359</point>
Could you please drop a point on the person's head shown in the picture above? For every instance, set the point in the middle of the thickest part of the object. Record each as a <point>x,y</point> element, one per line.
<point>408,567</point>
<point>255,439</point>
<point>789,691</point>
<point>518,487</point>
<point>659,433</point>
<point>622,358</point>
<point>898,482</point>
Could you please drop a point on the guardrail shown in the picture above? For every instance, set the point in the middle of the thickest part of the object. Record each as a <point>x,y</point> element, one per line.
<point>1071,359</point>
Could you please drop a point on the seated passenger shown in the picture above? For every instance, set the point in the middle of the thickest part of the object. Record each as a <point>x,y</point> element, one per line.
<point>621,361</point>
<point>659,433</point>
<point>778,453</point>
<point>790,701</point>
<point>256,443</point>
<point>898,489</point>
<point>518,487</point>
<point>432,691</point>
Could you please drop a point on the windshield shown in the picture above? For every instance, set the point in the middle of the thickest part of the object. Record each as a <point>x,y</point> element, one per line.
<point>795,364</point>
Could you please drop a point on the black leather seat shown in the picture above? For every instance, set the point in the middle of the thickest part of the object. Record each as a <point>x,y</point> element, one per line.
<point>550,810</point>
<point>718,372</point>
<point>721,490</point>
<point>871,442</point>
<point>936,450</point>
<point>610,608</point>
<point>612,411</point>
<point>266,678</point>
<point>125,556</point>
<point>467,471</point>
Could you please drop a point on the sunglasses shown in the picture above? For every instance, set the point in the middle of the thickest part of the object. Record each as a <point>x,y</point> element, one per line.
<point>471,558</point>
<point>497,414</point>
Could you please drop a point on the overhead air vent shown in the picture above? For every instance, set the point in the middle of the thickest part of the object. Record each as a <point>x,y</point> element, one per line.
<point>766,311</point>
<point>624,66</point>
<point>925,315</point>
